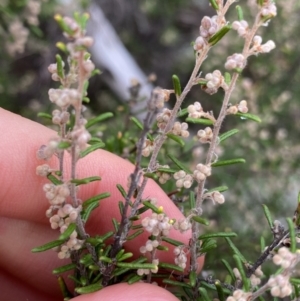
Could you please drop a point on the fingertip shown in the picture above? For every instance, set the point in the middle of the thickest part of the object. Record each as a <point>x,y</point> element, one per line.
<point>126,292</point>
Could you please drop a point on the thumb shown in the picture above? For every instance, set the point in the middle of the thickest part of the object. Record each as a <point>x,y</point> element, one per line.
<point>126,292</point>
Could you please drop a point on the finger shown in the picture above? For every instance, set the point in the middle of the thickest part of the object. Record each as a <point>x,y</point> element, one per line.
<point>125,292</point>
<point>21,195</point>
<point>13,289</point>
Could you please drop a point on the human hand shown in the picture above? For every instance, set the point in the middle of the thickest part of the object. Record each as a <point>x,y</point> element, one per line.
<point>23,224</point>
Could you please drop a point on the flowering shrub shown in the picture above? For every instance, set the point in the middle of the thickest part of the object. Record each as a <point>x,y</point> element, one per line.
<point>101,263</point>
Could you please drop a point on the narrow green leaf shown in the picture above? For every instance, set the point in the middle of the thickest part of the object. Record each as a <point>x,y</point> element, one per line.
<point>170,267</point>
<point>95,140</point>
<point>239,12</point>
<point>193,278</point>
<point>116,224</point>
<point>162,248</point>
<point>122,190</point>
<point>235,250</point>
<point>228,134</point>
<point>63,145</point>
<point>151,175</point>
<point>179,164</point>
<point>106,235</point>
<point>295,281</point>
<point>152,207</point>
<point>176,84</point>
<point>176,283</point>
<point>200,220</point>
<point>54,180</point>
<point>125,256</point>
<point>59,66</point>
<point>98,119</point>
<point>95,198</point>
<point>137,123</point>
<point>91,148</point>
<point>44,115</point>
<point>192,200</point>
<point>87,259</point>
<point>182,113</point>
<point>65,235</point>
<point>203,293</point>
<point>85,180</point>
<point>214,4</point>
<point>219,35</point>
<point>47,246</point>
<point>291,225</point>
<point>240,267</point>
<point>166,170</point>
<point>105,259</point>
<point>176,139</point>
<point>136,266</point>
<point>134,279</point>
<point>64,289</point>
<point>218,234</point>
<point>172,241</point>
<point>64,268</point>
<point>89,289</point>
<point>248,116</point>
<point>208,247</point>
<point>227,78</point>
<point>229,269</point>
<point>262,244</point>
<point>228,162</point>
<point>85,214</point>
<point>121,207</point>
<point>203,121</point>
<point>268,216</point>
<point>219,188</point>
<point>220,290</point>
<point>135,234</point>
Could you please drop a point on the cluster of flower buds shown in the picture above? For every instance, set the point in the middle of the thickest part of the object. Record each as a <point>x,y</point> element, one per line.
<point>72,244</point>
<point>163,118</point>
<point>280,286</point>
<point>242,107</point>
<point>239,295</point>
<point>269,9</point>
<point>255,279</point>
<point>241,27</point>
<point>52,68</point>
<point>148,147</point>
<point>235,61</point>
<point>262,48</point>
<point>214,82</point>
<point>180,257</point>
<point>64,97</point>
<point>180,129</point>
<point>201,172</point>
<point>208,28</point>
<point>205,136</point>
<point>163,177</point>
<point>195,110</point>
<point>157,224</point>
<point>60,117</point>
<point>80,136</point>
<point>183,225</point>
<point>56,194</point>
<point>61,215</point>
<point>183,179</point>
<point>160,96</point>
<point>215,196</point>
<point>149,246</point>
<point>45,152</point>
<point>284,258</point>
<point>142,272</point>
